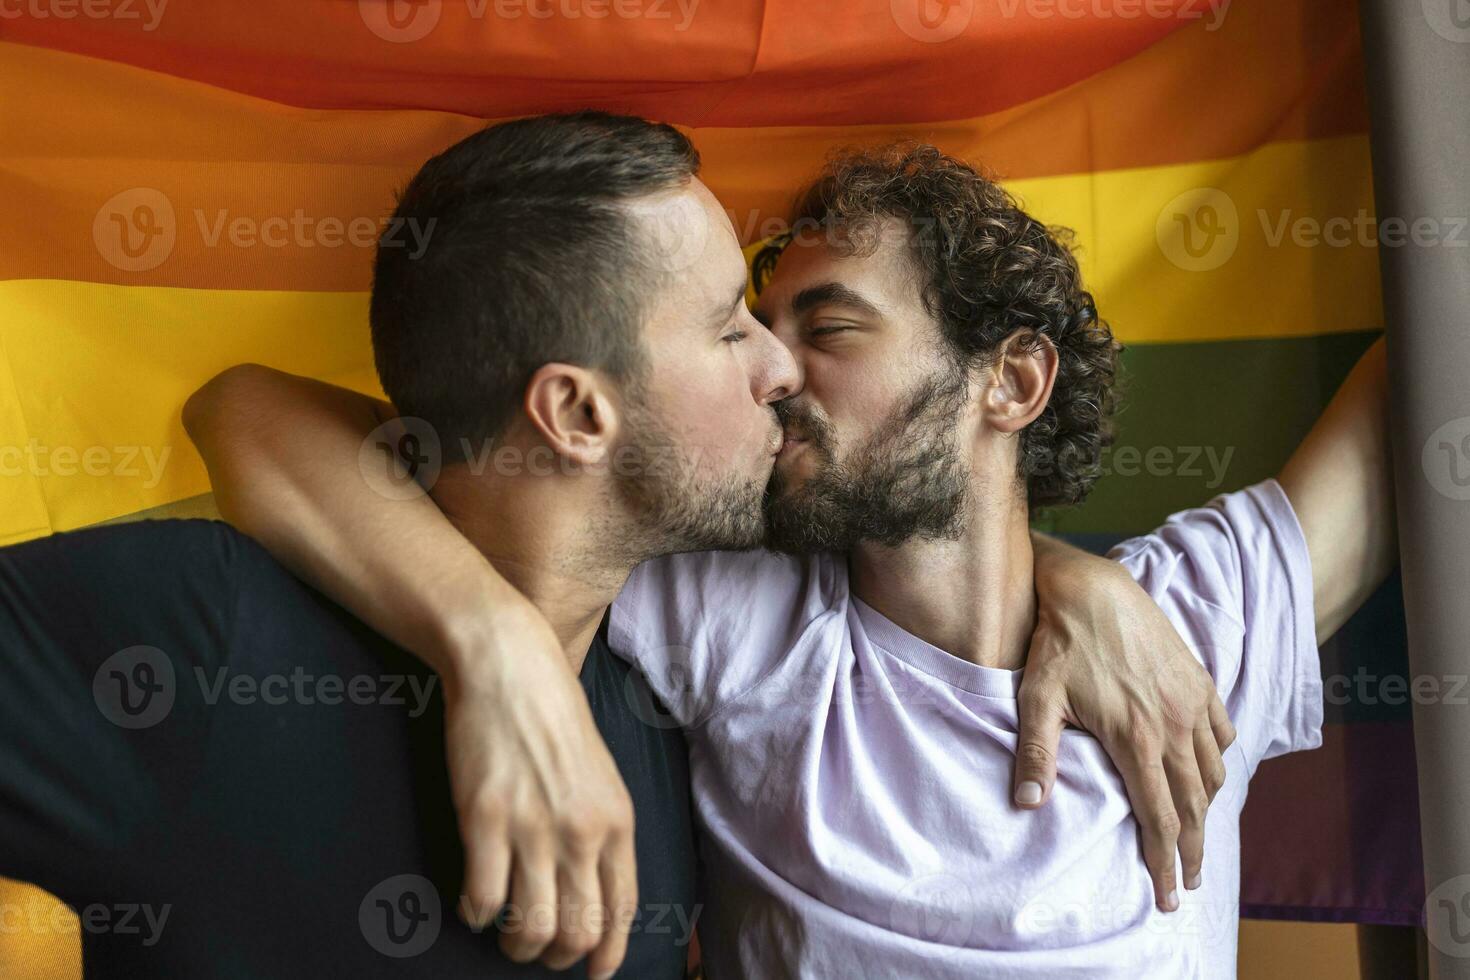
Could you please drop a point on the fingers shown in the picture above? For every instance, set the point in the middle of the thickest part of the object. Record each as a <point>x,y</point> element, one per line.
<point>1220,723</point>
<point>487,873</point>
<point>620,888</point>
<point>1207,754</point>
<point>573,892</point>
<point>1036,752</point>
<point>580,915</point>
<point>1153,805</point>
<point>530,922</point>
<point>1181,766</point>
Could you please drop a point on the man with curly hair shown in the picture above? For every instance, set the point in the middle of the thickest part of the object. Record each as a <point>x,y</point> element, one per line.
<point>849,703</point>
<point>852,694</point>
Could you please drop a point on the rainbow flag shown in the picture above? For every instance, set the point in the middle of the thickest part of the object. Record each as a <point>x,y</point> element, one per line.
<point>197,183</point>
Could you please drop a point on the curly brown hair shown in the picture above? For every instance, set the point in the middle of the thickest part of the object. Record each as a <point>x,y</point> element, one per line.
<point>989,270</point>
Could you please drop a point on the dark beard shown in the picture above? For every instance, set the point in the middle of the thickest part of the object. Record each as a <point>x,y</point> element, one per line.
<point>679,511</point>
<point>907,481</point>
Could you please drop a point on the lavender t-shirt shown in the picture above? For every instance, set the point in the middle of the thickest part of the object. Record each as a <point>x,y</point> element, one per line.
<point>853,782</point>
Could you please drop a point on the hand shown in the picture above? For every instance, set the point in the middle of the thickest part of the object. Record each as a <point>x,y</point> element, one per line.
<point>1106,659</point>
<point>546,821</point>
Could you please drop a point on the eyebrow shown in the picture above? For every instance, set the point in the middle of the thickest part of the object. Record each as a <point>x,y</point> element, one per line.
<point>832,293</point>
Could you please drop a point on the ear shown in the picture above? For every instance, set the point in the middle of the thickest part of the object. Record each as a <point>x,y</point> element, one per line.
<point>1020,380</point>
<point>573,411</point>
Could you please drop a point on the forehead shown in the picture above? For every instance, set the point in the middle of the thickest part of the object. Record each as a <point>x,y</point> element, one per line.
<point>688,239</point>
<point>877,264</point>
<point>682,227</point>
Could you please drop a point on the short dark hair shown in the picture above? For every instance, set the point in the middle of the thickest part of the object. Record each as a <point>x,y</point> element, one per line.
<point>988,268</point>
<point>531,257</point>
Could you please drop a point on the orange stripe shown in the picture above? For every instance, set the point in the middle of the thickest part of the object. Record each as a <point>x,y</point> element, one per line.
<point>1275,72</point>
<point>696,62</point>
<point>91,129</point>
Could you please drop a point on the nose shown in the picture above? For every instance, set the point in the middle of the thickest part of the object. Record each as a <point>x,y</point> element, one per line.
<point>779,375</point>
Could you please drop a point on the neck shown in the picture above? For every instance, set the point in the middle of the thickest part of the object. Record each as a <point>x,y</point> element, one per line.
<point>972,597</point>
<point>536,532</point>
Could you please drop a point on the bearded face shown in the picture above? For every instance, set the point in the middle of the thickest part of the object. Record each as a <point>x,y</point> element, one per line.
<point>681,506</point>
<point>907,479</point>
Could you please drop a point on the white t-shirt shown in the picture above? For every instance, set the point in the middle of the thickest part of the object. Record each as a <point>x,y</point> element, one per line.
<point>853,782</point>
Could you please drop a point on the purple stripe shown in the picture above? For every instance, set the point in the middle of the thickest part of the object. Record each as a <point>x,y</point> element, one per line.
<point>1333,835</point>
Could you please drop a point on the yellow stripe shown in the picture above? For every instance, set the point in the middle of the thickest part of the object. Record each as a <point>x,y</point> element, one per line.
<point>22,508</point>
<point>100,371</point>
<point>1160,274</point>
<point>41,938</point>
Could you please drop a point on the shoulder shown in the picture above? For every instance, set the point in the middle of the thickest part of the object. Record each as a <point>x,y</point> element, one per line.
<point>173,556</point>
<point>127,572</point>
<point>1227,554</point>
<point>1235,579</point>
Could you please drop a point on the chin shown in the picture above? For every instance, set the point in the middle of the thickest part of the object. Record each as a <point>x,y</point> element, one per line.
<point>794,474</point>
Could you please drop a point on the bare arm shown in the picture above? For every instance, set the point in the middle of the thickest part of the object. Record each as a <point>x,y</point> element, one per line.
<point>1340,483</point>
<point>541,806</point>
<point>282,453</point>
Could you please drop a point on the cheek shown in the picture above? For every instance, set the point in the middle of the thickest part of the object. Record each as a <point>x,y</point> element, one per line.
<point>843,397</point>
<point>709,410</point>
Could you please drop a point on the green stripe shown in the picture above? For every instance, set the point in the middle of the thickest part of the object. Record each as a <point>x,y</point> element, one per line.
<point>1207,418</point>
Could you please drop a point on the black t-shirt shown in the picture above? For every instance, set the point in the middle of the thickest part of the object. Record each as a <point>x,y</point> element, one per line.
<point>228,775</point>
